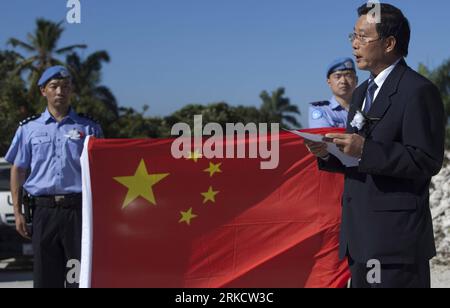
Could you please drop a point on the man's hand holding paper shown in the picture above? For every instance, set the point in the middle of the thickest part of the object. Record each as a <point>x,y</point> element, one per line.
<point>318,149</point>
<point>350,144</point>
<point>322,146</point>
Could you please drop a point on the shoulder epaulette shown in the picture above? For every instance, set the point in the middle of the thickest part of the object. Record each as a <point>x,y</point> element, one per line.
<point>29,119</point>
<point>87,116</point>
<point>320,104</point>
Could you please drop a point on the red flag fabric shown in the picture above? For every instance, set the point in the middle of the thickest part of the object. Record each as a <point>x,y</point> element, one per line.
<point>150,220</point>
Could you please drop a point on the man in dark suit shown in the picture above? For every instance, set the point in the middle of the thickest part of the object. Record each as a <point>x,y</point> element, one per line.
<point>396,129</point>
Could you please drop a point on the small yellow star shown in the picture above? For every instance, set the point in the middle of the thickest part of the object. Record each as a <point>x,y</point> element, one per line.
<point>213,169</point>
<point>187,217</point>
<point>140,184</point>
<point>210,195</point>
<point>194,156</point>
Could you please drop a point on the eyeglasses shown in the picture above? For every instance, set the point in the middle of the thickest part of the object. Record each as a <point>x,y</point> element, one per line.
<point>363,40</point>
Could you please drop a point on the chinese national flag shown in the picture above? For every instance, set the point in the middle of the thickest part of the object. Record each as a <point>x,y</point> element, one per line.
<point>150,220</point>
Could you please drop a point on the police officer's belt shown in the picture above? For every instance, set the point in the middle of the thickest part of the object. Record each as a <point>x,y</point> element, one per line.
<point>65,201</point>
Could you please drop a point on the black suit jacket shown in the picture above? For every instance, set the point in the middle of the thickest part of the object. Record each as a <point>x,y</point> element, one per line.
<point>386,213</point>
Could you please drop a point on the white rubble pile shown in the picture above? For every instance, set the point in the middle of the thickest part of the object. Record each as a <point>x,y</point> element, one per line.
<point>440,209</point>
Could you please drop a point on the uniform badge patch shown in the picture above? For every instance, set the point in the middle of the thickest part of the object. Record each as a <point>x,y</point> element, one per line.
<point>317,114</point>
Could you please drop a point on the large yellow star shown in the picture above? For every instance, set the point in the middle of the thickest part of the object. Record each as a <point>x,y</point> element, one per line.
<point>213,169</point>
<point>187,217</point>
<point>194,155</point>
<point>140,185</point>
<point>210,195</point>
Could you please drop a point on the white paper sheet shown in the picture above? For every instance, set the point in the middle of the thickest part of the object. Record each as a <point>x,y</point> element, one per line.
<point>346,160</point>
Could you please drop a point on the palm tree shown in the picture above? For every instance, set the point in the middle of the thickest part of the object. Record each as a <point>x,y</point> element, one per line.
<point>90,96</point>
<point>42,47</point>
<point>278,109</point>
<point>13,104</point>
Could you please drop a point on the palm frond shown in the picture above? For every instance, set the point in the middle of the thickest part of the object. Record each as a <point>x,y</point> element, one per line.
<point>70,48</point>
<point>18,43</point>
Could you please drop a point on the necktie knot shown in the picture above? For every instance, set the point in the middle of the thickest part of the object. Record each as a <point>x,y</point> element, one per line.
<point>370,95</point>
<point>372,87</point>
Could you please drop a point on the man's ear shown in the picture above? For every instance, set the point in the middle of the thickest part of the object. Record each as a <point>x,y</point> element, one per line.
<point>42,89</point>
<point>329,81</point>
<point>391,43</point>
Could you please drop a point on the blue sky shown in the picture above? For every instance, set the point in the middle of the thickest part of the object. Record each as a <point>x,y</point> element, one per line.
<point>168,53</point>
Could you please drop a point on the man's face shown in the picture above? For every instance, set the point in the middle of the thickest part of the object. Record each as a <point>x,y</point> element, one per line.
<point>343,83</point>
<point>58,92</point>
<point>368,48</point>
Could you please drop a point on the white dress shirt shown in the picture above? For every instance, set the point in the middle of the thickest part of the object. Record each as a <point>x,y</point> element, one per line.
<point>380,79</point>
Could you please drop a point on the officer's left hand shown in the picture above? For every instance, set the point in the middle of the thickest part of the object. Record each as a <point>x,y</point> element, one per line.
<point>21,226</point>
<point>350,144</point>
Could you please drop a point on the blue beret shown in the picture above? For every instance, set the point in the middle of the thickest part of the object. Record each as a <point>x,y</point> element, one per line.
<point>54,72</point>
<point>341,64</point>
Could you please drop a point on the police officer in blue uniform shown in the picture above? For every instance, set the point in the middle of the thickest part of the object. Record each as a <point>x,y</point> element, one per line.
<point>342,79</point>
<point>47,148</point>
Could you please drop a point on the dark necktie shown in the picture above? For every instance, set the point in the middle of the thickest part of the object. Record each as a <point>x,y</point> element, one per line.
<point>369,95</point>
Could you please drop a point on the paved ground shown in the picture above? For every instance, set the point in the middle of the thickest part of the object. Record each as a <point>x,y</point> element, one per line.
<point>16,273</point>
<point>16,280</point>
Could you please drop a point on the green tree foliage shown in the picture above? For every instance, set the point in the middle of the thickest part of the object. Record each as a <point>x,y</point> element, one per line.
<point>42,47</point>
<point>13,103</point>
<point>90,96</point>
<point>132,124</point>
<point>278,109</point>
<point>220,113</point>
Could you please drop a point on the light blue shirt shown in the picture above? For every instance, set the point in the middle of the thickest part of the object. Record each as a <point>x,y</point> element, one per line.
<point>52,152</point>
<point>327,114</point>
